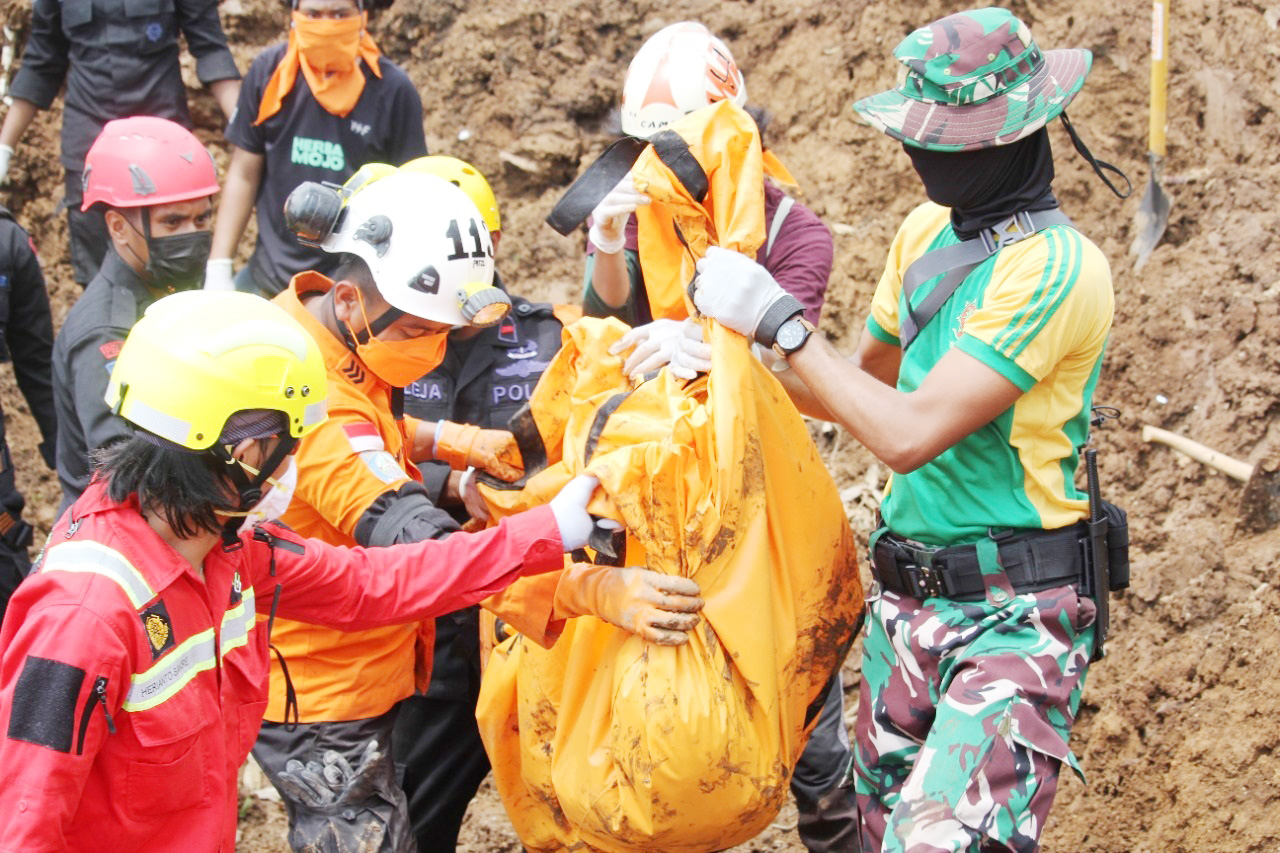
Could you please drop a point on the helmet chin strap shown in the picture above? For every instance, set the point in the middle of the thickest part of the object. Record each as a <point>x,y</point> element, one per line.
<point>372,329</point>
<point>249,490</point>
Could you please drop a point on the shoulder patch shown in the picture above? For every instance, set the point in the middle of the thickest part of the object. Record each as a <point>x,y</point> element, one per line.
<point>384,466</point>
<point>159,628</point>
<point>44,703</point>
<point>111,349</point>
<point>364,437</point>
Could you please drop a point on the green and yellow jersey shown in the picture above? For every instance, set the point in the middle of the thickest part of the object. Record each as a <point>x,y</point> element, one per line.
<point>1038,313</point>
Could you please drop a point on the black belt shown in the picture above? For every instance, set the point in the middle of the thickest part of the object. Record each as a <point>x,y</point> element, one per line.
<point>1032,560</point>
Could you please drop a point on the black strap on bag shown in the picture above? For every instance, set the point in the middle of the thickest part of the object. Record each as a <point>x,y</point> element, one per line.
<point>594,184</point>
<point>955,262</point>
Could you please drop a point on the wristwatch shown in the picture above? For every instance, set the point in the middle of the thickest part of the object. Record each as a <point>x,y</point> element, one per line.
<point>792,335</point>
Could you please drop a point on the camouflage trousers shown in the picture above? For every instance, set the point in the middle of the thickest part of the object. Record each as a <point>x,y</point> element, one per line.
<point>964,716</point>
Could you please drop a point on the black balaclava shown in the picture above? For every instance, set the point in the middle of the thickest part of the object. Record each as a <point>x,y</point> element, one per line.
<point>985,187</point>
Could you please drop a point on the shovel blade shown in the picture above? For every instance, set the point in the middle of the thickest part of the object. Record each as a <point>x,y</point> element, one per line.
<point>1153,215</point>
<point>1260,502</point>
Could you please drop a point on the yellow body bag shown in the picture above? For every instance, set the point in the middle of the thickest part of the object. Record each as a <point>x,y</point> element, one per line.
<point>606,742</point>
<point>705,178</point>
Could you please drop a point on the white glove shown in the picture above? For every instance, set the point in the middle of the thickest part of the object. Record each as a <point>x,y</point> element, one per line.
<point>6,154</point>
<point>609,219</point>
<point>693,355</point>
<point>217,274</point>
<point>652,346</point>
<point>737,291</point>
<point>570,508</point>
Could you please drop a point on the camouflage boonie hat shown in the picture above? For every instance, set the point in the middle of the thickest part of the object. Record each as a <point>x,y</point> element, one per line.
<point>973,80</point>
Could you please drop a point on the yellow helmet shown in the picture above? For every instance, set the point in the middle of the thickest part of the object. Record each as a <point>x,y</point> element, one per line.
<point>198,357</point>
<point>366,174</point>
<point>467,177</point>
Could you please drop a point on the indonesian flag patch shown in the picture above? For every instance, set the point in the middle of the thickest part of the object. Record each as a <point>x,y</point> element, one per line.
<point>363,436</point>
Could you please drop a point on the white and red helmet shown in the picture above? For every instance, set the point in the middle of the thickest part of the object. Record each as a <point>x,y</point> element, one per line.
<point>681,68</point>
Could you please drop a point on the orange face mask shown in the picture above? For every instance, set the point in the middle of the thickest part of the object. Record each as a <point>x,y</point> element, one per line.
<point>400,363</point>
<point>329,45</point>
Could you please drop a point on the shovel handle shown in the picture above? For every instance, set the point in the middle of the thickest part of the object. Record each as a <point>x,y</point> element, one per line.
<point>1233,468</point>
<point>1159,74</point>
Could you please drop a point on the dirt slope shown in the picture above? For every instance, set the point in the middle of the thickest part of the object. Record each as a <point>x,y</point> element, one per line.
<point>1180,726</point>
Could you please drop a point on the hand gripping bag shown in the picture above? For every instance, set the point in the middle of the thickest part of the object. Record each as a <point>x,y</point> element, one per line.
<point>705,175</point>
<point>605,742</point>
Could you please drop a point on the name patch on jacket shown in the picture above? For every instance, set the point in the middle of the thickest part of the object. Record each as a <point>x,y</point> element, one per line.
<point>431,390</point>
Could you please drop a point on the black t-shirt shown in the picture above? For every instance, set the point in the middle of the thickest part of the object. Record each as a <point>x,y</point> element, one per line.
<point>117,58</point>
<point>305,142</point>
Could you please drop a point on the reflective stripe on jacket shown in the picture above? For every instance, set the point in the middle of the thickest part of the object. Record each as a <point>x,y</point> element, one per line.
<point>132,687</point>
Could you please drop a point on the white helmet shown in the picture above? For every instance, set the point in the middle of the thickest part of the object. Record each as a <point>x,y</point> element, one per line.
<point>425,242</point>
<point>681,68</point>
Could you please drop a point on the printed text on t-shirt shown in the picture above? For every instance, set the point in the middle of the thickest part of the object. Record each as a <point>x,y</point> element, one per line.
<point>318,153</point>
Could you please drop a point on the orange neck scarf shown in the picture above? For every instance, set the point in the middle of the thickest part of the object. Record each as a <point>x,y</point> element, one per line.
<point>328,52</point>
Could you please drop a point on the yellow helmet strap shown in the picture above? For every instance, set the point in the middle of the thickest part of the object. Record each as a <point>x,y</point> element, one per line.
<point>248,490</point>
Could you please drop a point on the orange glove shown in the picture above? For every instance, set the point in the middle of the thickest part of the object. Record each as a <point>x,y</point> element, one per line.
<point>658,608</point>
<point>493,451</point>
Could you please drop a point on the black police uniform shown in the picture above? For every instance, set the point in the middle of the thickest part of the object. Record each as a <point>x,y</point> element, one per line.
<point>306,142</point>
<point>482,381</point>
<point>118,58</point>
<point>26,338</point>
<point>83,356</point>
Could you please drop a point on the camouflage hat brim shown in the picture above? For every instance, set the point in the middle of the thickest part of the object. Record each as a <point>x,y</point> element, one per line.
<point>1000,120</point>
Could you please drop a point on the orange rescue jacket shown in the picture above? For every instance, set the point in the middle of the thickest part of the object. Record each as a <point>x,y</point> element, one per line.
<point>361,452</point>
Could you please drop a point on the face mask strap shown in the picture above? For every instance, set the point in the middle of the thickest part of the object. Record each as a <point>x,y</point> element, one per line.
<point>145,234</point>
<point>249,491</point>
<point>372,329</point>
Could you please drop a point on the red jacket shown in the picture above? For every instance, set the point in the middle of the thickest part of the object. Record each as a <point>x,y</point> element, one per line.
<point>131,688</point>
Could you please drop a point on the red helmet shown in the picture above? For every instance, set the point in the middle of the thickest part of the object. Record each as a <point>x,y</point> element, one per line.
<point>142,161</point>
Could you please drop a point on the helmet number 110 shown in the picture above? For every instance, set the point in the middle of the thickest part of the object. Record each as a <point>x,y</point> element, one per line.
<point>459,251</point>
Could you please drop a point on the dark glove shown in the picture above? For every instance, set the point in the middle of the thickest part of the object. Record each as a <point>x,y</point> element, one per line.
<point>347,809</point>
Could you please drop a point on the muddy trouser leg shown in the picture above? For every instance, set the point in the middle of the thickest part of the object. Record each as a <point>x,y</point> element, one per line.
<point>828,812</point>
<point>439,750</point>
<point>963,719</point>
<point>87,232</point>
<point>380,821</point>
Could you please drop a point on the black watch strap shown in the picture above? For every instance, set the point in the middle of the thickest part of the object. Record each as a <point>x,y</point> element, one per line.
<point>779,312</point>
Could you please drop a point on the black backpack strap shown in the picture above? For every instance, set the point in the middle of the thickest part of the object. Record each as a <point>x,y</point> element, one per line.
<point>955,262</point>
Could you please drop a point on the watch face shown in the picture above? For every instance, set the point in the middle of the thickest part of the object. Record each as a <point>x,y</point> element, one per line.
<point>790,335</point>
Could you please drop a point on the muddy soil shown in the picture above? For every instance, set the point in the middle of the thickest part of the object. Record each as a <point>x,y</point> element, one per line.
<point>1179,728</point>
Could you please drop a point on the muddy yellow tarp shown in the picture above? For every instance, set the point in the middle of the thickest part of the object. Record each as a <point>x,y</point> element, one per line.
<point>607,742</point>
<point>705,177</point>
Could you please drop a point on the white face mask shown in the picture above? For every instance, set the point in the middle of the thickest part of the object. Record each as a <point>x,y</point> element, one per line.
<point>276,501</point>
